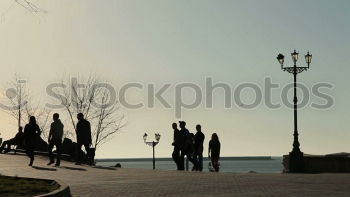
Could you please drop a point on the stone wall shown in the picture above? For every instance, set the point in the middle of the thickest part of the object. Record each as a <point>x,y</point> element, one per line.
<point>332,163</point>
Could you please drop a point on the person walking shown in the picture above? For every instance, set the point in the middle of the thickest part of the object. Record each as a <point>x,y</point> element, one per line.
<point>177,146</point>
<point>198,145</point>
<point>214,151</point>
<point>187,148</point>
<point>190,151</point>
<point>31,133</point>
<point>83,132</point>
<point>55,139</point>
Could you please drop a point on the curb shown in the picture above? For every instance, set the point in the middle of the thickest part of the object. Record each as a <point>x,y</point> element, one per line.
<point>62,191</point>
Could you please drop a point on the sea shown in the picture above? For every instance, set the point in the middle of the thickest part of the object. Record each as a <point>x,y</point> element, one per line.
<point>266,164</point>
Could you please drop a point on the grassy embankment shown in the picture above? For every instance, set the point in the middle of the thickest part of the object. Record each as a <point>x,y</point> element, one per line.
<point>23,187</point>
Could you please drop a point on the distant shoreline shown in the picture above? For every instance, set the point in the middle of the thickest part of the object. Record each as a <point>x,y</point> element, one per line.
<point>243,158</point>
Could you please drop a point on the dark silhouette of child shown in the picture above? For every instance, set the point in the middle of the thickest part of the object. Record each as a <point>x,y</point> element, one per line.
<point>31,133</point>
<point>214,151</point>
<point>17,140</point>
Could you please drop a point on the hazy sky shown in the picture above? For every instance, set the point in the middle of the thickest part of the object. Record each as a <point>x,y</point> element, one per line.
<point>159,42</point>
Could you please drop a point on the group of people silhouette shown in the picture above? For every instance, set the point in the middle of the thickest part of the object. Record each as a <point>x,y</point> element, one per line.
<point>185,143</point>
<point>29,137</point>
<point>191,145</point>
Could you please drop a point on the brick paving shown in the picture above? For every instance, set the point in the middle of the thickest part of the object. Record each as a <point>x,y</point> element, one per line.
<point>105,182</point>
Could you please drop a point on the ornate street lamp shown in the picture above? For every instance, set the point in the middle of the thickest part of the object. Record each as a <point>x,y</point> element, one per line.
<point>153,144</point>
<point>296,157</point>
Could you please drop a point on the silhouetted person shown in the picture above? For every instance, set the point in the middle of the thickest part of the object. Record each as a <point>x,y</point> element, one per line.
<point>17,140</point>
<point>83,131</point>
<point>187,148</point>
<point>177,146</point>
<point>190,151</point>
<point>198,146</point>
<point>214,151</point>
<point>55,139</point>
<point>31,133</point>
<point>182,144</point>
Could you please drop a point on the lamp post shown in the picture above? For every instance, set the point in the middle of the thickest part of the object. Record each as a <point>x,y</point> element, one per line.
<point>296,157</point>
<point>153,144</point>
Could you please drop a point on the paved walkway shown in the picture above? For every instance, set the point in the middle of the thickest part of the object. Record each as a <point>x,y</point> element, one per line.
<point>95,182</point>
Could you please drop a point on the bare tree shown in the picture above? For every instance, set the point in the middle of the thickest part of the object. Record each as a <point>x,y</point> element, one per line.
<point>28,5</point>
<point>16,99</point>
<point>20,105</point>
<point>108,119</point>
<point>77,97</point>
<point>92,98</point>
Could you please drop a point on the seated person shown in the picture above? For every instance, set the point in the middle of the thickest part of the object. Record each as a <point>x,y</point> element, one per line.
<point>17,140</point>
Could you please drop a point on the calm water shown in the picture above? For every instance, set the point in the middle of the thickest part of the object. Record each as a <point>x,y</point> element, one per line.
<point>239,166</point>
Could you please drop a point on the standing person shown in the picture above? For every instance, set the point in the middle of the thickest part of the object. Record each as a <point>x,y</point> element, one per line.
<point>83,131</point>
<point>182,142</point>
<point>31,133</point>
<point>214,151</point>
<point>177,146</point>
<point>198,145</point>
<point>187,149</point>
<point>55,139</point>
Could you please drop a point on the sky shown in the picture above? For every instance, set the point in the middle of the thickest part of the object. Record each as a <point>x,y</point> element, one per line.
<point>171,42</point>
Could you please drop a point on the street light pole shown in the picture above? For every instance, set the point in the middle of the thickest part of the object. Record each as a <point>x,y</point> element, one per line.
<point>153,144</point>
<point>154,158</point>
<point>296,157</point>
<point>296,144</point>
